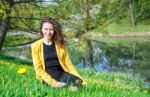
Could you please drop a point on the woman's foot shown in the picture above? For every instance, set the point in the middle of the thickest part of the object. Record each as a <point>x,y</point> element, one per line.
<point>78,82</point>
<point>73,88</point>
<point>59,84</point>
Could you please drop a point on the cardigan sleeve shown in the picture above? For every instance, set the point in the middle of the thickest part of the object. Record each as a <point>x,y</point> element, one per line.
<point>39,70</point>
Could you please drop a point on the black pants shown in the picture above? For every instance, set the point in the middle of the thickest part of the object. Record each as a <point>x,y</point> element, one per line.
<point>69,79</point>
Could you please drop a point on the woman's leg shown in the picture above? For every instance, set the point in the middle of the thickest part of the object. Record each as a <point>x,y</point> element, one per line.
<point>70,79</point>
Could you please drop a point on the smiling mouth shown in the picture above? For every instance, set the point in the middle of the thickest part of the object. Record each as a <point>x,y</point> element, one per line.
<point>50,35</point>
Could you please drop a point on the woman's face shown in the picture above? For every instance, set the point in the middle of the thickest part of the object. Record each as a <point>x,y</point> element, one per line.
<point>47,30</point>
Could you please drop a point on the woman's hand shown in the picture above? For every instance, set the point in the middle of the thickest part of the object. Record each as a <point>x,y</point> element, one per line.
<point>59,84</point>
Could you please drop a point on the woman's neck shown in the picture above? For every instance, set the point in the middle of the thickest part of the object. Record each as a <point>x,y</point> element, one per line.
<point>48,42</point>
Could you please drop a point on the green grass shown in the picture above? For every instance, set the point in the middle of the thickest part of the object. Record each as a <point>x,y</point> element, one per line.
<point>125,27</point>
<point>115,41</point>
<point>101,84</point>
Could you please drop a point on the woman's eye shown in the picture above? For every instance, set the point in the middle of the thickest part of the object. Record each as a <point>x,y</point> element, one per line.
<point>51,29</point>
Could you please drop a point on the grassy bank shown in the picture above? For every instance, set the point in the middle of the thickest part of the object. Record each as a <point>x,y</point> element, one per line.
<point>124,26</point>
<point>101,84</point>
<point>121,40</point>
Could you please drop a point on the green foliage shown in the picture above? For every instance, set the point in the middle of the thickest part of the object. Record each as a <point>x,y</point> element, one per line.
<point>141,9</point>
<point>2,8</point>
<point>77,47</point>
<point>102,27</point>
<point>115,10</point>
<point>4,11</point>
<point>24,17</point>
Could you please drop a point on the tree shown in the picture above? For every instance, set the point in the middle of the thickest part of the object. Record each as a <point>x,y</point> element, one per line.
<point>14,18</point>
<point>5,21</point>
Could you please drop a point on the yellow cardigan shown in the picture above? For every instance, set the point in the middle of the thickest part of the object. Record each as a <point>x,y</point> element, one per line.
<point>39,64</point>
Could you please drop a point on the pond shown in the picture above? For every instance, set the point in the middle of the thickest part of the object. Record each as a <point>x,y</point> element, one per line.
<point>130,56</point>
<point>23,52</point>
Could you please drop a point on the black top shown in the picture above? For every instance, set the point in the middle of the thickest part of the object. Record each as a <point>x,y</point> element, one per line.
<point>52,65</point>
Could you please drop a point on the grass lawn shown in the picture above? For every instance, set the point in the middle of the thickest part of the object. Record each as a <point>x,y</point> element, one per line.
<point>124,26</point>
<point>115,41</point>
<point>13,84</point>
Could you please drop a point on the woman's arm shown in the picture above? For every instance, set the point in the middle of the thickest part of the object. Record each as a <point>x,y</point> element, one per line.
<point>40,72</point>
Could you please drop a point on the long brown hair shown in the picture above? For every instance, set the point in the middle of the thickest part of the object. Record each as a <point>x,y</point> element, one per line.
<point>58,35</point>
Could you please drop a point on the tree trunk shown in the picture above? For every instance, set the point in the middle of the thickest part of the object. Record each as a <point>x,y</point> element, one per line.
<point>131,4</point>
<point>5,22</point>
<point>87,19</point>
<point>3,30</point>
<point>89,53</point>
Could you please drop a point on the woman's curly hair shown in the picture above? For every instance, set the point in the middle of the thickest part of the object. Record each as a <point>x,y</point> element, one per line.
<point>58,35</point>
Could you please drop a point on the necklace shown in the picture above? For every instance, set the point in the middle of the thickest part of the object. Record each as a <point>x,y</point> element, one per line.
<point>48,42</point>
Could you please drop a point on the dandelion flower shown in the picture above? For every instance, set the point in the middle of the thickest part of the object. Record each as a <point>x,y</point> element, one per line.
<point>84,83</point>
<point>21,71</point>
<point>145,91</point>
<point>93,82</point>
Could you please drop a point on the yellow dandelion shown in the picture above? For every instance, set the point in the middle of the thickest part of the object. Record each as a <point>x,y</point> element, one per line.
<point>21,71</point>
<point>145,91</point>
<point>101,82</point>
<point>84,83</point>
<point>93,82</point>
<point>111,85</point>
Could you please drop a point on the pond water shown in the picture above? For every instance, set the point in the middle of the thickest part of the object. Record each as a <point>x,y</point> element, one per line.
<point>132,58</point>
<point>23,52</point>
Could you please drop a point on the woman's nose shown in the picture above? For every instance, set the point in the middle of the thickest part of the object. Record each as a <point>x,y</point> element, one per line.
<point>50,31</point>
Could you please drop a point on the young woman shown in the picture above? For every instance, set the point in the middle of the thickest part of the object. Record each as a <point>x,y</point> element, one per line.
<point>50,58</point>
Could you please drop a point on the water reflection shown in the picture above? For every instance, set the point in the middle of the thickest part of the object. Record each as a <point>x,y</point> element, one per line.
<point>121,58</point>
<point>23,52</point>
